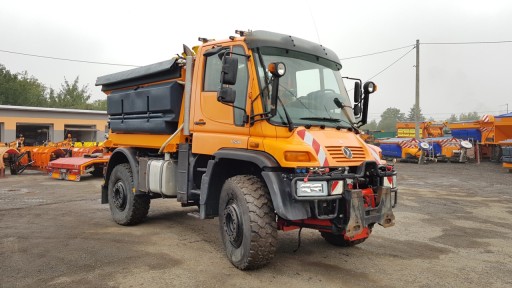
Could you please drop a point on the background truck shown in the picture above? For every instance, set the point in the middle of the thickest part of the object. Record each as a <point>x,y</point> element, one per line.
<point>257,130</point>
<point>486,133</point>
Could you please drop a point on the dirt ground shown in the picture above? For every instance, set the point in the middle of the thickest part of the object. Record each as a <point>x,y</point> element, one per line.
<point>453,229</point>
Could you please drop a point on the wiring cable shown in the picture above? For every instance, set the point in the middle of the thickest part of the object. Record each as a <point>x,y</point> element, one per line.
<point>467,43</point>
<point>389,66</point>
<point>376,53</point>
<point>67,59</point>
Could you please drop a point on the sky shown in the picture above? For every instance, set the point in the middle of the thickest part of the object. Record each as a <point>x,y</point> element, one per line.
<point>454,78</point>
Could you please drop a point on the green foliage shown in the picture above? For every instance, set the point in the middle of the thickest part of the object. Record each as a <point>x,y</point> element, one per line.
<point>469,117</point>
<point>20,89</point>
<point>99,105</point>
<point>453,118</point>
<point>388,119</point>
<point>463,117</point>
<point>412,115</point>
<point>370,126</point>
<point>70,95</point>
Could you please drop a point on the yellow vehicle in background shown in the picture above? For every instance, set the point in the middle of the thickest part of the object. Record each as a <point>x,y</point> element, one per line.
<point>427,129</point>
<point>257,130</point>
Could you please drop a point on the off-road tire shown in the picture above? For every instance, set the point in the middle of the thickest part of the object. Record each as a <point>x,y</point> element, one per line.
<point>247,222</point>
<point>126,207</point>
<point>339,240</point>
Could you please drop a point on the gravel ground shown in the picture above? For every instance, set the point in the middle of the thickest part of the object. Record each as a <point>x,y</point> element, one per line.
<point>453,229</point>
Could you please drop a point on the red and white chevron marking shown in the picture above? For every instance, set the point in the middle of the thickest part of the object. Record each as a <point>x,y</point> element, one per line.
<point>486,119</point>
<point>450,142</point>
<point>411,143</point>
<point>311,141</point>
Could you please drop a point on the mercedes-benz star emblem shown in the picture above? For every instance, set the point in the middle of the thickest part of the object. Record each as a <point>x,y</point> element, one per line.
<point>347,152</point>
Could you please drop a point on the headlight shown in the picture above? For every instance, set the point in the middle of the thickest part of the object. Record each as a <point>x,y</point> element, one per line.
<point>278,69</point>
<point>311,188</point>
<point>369,87</point>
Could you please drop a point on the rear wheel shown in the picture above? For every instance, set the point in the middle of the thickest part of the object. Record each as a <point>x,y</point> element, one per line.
<point>247,222</point>
<point>339,240</point>
<point>126,207</point>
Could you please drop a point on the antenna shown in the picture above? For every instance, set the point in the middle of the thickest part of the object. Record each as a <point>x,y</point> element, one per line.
<point>314,23</point>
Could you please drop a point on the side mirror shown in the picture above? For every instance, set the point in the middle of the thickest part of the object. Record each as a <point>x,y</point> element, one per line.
<point>226,95</point>
<point>229,70</point>
<point>357,110</point>
<point>357,92</point>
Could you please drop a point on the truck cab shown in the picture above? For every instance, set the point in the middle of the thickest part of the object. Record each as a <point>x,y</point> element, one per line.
<point>257,130</point>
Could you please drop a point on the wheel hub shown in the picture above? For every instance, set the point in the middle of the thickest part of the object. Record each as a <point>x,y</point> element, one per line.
<point>119,196</point>
<point>232,225</point>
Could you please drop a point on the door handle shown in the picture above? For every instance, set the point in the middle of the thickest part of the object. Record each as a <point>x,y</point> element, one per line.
<point>200,122</point>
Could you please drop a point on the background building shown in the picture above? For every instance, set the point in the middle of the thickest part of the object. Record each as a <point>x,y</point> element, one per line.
<point>51,124</point>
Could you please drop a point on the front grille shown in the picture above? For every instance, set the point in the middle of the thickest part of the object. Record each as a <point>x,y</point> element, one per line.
<point>336,153</point>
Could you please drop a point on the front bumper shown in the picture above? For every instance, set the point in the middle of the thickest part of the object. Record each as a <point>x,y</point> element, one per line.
<point>360,216</point>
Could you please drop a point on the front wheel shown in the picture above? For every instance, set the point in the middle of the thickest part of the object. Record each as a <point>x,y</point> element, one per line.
<point>247,222</point>
<point>127,208</point>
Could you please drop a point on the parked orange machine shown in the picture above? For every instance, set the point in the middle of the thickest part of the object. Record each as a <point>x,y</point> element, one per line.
<point>257,130</point>
<point>39,157</point>
<point>427,129</point>
<point>488,131</point>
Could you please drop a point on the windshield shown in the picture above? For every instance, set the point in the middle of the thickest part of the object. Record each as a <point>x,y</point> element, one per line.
<point>307,91</point>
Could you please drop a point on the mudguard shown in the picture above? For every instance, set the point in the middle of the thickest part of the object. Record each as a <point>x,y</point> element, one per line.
<point>280,193</point>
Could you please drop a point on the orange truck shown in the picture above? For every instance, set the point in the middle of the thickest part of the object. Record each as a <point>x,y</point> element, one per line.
<point>488,132</point>
<point>257,130</point>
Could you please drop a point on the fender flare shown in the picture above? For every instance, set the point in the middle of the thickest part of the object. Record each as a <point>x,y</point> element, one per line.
<point>280,192</point>
<point>120,155</point>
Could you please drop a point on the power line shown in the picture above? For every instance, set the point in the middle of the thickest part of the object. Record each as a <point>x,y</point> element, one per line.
<point>391,64</point>
<point>430,43</point>
<point>467,43</point>
<point>375,53</point>
<point>449,113</point>
<point>66,59</point>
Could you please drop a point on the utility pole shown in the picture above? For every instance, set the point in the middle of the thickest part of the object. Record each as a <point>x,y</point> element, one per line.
<point>417,104</point>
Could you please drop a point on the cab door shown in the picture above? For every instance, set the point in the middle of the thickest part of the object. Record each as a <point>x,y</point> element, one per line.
<point>217,125</point>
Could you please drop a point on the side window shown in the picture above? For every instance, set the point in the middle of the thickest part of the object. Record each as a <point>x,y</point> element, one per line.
<point>212,73</point>
<point>330,81</point>
<point>240,87</point>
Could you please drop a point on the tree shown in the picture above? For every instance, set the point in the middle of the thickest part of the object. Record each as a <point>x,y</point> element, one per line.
<point>453,118</point>
<point>469,117</point>
<point>71,96</point>
<point>99,105</point>
<point>388,119</point>
<point>412,115</point>
<point>21,89</point>
<point>370,126</point>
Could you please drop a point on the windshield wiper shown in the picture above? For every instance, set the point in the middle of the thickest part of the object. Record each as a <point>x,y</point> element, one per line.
<point>288,118</point>
<point>324,119</point>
